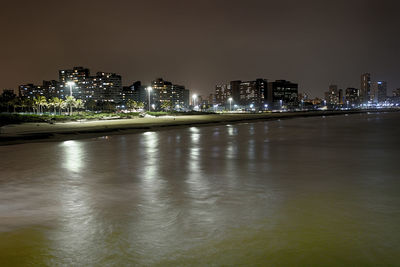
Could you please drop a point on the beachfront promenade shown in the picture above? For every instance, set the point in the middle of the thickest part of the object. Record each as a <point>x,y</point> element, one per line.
<point>28,132</point>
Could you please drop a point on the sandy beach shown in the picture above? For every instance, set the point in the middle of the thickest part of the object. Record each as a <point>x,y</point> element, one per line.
<point>35,132</point>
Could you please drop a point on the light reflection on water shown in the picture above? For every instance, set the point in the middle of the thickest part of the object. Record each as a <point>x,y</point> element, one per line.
<point>306,191</point>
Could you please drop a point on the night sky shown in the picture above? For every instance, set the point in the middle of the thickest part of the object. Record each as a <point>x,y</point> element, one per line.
<point>202,43</point>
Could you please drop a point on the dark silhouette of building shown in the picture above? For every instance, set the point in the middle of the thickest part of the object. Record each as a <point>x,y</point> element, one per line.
<point>253,93</point>
<point>378,92</point>
<point>235,91</point>
<point>352,96</point>
<point>135,92</point>
<point>365,88</point>
<point>282,93</point>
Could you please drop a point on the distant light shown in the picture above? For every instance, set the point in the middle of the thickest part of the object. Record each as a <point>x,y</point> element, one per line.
<point>194,96</point>
<point>230,99</point>
<point>149,88</point>
<point>70,83</point>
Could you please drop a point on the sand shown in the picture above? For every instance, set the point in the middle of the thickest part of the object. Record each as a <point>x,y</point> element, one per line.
<point>34,132</point>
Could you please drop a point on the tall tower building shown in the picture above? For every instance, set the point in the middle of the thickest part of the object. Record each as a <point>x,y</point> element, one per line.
<point>365,88</point>
<point>378,92</point>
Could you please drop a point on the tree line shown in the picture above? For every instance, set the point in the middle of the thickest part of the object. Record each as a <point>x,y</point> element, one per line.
<point>39,104</point>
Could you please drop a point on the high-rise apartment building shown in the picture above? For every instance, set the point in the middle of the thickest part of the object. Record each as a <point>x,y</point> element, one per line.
<point>332,96</point>
<point>222,93</point>
<point>282,92</point>
<point>163,91</point>
<point>80,76</point>
<point>102,87</point>
<point>105,87</point>
<point>365,88</point>
<point>253,93</point>
<point>352,96</point>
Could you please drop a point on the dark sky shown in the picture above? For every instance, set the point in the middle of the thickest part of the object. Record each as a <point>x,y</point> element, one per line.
<point>201,43</point>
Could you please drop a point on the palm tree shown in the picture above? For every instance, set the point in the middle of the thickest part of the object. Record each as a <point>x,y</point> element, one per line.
<point>24,103</point>
<point>131,104</point>
<point>43,102</point>
<point>14,103</point>
<point>91,105</point>
<point>51,104</point>
<point>79,105</point>
<point>63,105</point>
<point>70,101</point>
<point>36,103</point>
<point>166,105</point>
<point>40,101</point>
<point>57,102</point>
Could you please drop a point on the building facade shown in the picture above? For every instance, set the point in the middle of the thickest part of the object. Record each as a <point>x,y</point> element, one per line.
<point>378,92</point>
<point>352,96</point>
<point>365,88</point>
<point>282,93</point>
<point>222,93</point>
<point>163,91</point>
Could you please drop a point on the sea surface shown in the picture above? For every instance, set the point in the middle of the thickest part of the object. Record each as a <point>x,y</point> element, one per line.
<point>320,191</point>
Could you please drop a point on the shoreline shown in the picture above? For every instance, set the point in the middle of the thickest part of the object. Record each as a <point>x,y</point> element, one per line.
<point>44,132</point>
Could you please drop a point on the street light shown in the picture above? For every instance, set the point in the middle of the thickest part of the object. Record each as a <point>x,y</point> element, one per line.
<point>194,101</point>
<point>70,84</point>
<point>149,92</point>
<point>281,102</point>
<point>230,104</point>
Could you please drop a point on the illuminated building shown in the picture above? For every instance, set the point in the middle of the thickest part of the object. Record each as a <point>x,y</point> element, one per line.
<point>332,96</point>
<point>80,76</point>
<point>48,89</point>
<point>105,87</point>
<point>222,94</point>
<point>164,91</point>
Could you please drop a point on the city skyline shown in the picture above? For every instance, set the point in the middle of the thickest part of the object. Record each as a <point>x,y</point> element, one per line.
<point>204,43</point>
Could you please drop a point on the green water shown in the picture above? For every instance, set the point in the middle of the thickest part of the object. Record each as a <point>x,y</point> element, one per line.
<point>302,192</point>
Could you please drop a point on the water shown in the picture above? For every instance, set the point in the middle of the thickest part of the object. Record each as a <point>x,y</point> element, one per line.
<point>310,191</point>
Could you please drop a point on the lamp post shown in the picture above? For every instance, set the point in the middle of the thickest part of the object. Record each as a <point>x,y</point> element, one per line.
<point>281,102</point>
<point>194,101</point>
<point>215,107</point>
<point>230,104</point>
<point>70,84</point>
<point>149,92</point>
